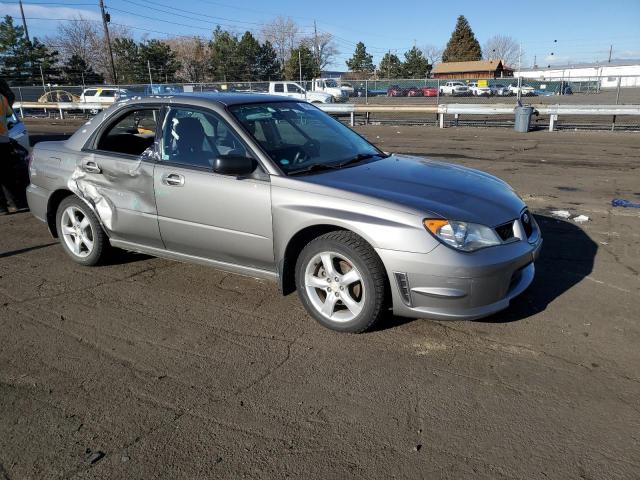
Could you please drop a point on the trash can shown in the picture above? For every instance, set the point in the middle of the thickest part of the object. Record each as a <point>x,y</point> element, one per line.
<point>523,118</point>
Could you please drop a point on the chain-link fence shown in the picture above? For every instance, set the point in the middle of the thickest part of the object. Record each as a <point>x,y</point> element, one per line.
<point>584,91</point>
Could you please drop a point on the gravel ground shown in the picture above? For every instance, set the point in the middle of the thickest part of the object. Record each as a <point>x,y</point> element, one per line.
<point>147,368</point>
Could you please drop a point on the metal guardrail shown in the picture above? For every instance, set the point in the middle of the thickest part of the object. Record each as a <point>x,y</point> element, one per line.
<point>554,111</point>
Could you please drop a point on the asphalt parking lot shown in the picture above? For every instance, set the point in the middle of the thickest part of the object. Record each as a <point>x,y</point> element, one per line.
<point>147,368</point>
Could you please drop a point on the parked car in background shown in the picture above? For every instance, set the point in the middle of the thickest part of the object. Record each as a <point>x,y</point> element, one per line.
<point>160,89</point>
<point>58,96</point>
<point>294,90</point>
<point>479,91</point>
<point>500,90</point>
<point>396,91</point>
<point>330,86</point>
<point>18,132</point>
<point>103,95</point>
<point>525,90</point>
<point>413,92</point>
<point>348,88</point>
<point>454,88</point>
<point>429,91</point>
<point>308,203</point>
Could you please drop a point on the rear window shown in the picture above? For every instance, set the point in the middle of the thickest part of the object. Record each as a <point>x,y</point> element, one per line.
<point>107,93</point>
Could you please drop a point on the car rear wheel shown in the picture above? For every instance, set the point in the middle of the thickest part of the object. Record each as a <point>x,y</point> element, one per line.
<point>80,232</point>
<point>341,282</point>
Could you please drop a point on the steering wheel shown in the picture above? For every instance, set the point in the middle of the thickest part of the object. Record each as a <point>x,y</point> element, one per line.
<point>305,152</point>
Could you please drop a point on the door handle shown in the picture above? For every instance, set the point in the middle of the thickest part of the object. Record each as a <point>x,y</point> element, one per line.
<point>173,179</point>
<point>92,167</point>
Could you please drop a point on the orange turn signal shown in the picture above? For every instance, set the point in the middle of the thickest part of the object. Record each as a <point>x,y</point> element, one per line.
<point>434,224</point>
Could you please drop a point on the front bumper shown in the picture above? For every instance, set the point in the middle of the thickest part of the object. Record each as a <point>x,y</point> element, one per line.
<point>449,285</point>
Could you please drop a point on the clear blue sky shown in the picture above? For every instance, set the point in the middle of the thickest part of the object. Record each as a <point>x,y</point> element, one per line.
<point>583,29</point>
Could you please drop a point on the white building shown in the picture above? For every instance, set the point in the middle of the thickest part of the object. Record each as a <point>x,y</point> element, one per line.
<point>606,73</point>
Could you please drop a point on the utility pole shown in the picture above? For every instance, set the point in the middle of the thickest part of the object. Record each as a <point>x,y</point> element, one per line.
<point>105,20</point>
<point>24,23</point>
<point>610,50</point>
<point>149,68</point>
<point>300,66</point>
<point>316,47</point>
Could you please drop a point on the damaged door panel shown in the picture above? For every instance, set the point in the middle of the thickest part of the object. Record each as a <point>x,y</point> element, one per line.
<point>202,213</point>
<point>115,176</point>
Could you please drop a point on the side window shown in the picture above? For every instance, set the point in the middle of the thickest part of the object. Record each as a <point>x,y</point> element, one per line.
<point>107,93</point>
<point>196,138</point>
<point>292,88</point>
<point>278,87</point>
<point>131,133</point>
<point>90,93</point>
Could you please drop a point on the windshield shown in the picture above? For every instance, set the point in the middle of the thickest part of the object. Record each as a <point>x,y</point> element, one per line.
<point>298,136</point>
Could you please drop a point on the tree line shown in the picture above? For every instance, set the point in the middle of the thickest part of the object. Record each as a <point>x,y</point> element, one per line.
<point>78,54</point>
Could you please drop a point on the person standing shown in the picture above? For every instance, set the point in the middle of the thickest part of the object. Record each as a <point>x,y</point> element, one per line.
<point>12,168</point>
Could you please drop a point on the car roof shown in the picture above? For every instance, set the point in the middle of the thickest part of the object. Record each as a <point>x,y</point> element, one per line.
<point>200,98</point>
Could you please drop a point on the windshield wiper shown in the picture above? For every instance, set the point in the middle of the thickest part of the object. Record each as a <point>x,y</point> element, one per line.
<point>360,157</point>
<point>316,167</point>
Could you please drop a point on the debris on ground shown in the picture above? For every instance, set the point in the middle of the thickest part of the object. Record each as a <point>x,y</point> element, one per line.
<point>621,202</point>
<point>96,457</point>
<point>561,213</point>
<point>580,219</point>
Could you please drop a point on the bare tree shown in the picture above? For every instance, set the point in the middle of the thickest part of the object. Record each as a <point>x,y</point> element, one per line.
<point>85,38</point>
<point>193,54</point>
<point>502,47</point>
<point>432,53</point>
<point>323,47</point>
<point>283,33</point>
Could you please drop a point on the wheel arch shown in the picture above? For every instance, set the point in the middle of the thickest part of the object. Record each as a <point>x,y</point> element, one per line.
<point>297,242</point>
<point>55,199</point>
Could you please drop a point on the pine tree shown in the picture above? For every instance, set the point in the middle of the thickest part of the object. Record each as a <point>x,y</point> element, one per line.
<point>127,61</point>
<point>415,65</point>
<point>158,57</point>
<point>306,59</point>
<point>268,65</point>
<point>224,63</point>
<point>462,45</point>
<point>361,60</point>
<point>390,66</point>
<point>77,72</point>
<point>21,61</point>
<point>247,51</point>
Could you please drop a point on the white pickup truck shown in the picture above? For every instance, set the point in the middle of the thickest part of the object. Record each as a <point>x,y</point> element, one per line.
<point>330,86</point>
<point>454,88</point>
<point>294,90</point>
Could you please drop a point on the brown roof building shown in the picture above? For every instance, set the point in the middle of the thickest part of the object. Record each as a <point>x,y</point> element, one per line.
<point>475,70</point>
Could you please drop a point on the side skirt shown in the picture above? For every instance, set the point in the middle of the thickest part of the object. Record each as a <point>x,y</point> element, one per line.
<point>181,257</point>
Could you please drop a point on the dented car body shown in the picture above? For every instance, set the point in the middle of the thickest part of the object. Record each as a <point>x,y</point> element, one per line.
<point>274,188</point>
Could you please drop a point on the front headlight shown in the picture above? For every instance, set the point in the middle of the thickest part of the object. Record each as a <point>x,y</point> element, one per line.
<point>463,236</point>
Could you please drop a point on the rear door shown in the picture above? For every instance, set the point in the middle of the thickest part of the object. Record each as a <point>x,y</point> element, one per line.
<point>202,213</point>
<point>116,175</point>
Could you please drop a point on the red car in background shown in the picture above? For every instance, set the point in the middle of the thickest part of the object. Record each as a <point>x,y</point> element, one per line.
<point>396,91</point>
<point>413,92</point>
<point>429,91</point>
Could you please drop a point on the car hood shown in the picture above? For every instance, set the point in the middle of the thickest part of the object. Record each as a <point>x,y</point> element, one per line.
<point>428,186</point>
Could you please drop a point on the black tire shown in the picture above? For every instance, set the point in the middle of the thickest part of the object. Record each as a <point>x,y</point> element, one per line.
<point>365,260</point>
<point>100,247</point>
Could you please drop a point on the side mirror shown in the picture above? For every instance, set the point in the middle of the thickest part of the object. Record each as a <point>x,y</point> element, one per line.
<point>236,165</point>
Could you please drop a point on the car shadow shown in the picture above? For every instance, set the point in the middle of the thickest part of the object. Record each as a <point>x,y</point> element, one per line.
<point>566,258</point>
<point>121,257</point>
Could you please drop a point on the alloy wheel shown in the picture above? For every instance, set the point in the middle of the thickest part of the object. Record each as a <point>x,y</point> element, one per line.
<point>77,232</point>
<point>334,286</point>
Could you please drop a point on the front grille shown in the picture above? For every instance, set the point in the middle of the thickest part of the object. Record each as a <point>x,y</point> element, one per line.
<point>505,231</point>
<point>527,223</point>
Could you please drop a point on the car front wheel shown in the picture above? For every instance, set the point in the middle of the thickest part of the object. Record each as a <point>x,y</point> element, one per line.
<point>341,282</point>
<point>80,232</point>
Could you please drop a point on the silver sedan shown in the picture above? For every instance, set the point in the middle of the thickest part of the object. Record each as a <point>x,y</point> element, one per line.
<point>274,188</point>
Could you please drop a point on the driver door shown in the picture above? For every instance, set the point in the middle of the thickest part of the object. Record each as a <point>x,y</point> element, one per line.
<point>205,214</point>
